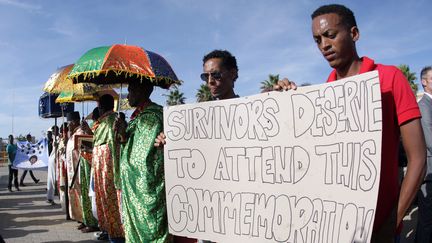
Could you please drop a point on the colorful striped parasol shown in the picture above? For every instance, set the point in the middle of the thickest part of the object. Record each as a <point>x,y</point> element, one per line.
<point>118,64</point>
<point>58,82</point>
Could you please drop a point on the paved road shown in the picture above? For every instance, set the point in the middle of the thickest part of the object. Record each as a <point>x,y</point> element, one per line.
<point>26,217</point>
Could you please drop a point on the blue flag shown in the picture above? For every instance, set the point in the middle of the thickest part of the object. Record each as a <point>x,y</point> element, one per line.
<point>32,156</point>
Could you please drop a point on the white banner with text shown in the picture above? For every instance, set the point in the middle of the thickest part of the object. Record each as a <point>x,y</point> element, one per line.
<point>295,166</point>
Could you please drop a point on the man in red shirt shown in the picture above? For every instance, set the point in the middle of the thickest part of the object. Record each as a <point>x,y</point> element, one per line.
<point>335,32</point>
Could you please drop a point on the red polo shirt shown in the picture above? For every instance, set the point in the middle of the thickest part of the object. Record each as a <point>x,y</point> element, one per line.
<point>399,105</point>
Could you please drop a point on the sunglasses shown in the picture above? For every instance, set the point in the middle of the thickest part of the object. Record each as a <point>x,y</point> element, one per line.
<point>216,75</point>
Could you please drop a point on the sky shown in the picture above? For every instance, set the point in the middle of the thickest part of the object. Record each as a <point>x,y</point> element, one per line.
<point>266,37</point>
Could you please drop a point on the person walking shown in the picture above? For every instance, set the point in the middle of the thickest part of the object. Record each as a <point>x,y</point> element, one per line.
<point>29,139</point>
<point>11,149</point>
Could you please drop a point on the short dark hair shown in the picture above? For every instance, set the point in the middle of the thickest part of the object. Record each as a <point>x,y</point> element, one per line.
<point>346,15</point>
<point>106,102</point>
<point>122,116</point>
<point>95,114</point>
<point>228,60</point>
<point>64,127</point>
<point>148,87</point>
<point>73,116</point>
<point>54,128</point>
<point>424,71</point>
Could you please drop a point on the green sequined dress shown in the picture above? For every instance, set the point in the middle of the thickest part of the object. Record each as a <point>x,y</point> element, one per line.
<point>143,180</point>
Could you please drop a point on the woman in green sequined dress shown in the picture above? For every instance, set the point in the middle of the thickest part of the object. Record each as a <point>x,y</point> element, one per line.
<point>142,170</point>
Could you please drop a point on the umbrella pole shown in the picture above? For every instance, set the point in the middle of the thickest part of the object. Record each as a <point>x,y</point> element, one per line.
<point>61,105</point>
<point>64,134</point>
<point>56,192</point>
<point>58,130</point>
<point>55,138</point>
<point>66,196</point>
<point>120,98</point>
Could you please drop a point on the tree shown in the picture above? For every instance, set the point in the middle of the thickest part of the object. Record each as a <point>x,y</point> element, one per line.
<point>267,85</point>
<point>411,76</point>
<point>175,97</point>
<point>203,94</point>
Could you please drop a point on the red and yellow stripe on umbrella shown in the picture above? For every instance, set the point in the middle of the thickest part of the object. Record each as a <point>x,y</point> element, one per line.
<point>122,64</point>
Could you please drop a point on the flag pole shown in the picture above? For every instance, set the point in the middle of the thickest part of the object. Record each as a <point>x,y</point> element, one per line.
<point>13,108</point>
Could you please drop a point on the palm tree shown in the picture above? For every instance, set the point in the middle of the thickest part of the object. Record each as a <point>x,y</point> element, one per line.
<point>175,97</point>
<point>411,76</point>
<point>203,94</point>
<point>267,85</point>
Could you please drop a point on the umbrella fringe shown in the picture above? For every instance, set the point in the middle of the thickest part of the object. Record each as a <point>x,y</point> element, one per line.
<point>74,99</point>
<point>158,81</point>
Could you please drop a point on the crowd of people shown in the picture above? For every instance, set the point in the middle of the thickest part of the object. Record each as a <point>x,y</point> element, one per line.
<point>116,185</point>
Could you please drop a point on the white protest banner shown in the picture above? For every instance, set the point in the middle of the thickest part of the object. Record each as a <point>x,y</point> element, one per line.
<point>31,156</point>
<point>297,166</point>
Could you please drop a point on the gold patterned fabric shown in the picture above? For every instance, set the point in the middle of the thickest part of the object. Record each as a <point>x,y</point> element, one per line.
<point>105,161</point>
<point>143,180</point>
<point>61,164</point>
<point>104,134</point>
<point>61,170</point>
<point>72,162</point>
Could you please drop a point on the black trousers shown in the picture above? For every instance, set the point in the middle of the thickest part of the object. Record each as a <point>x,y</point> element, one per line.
<point>13,175</point>
<point>424,215</point>
<point>24,175</point>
